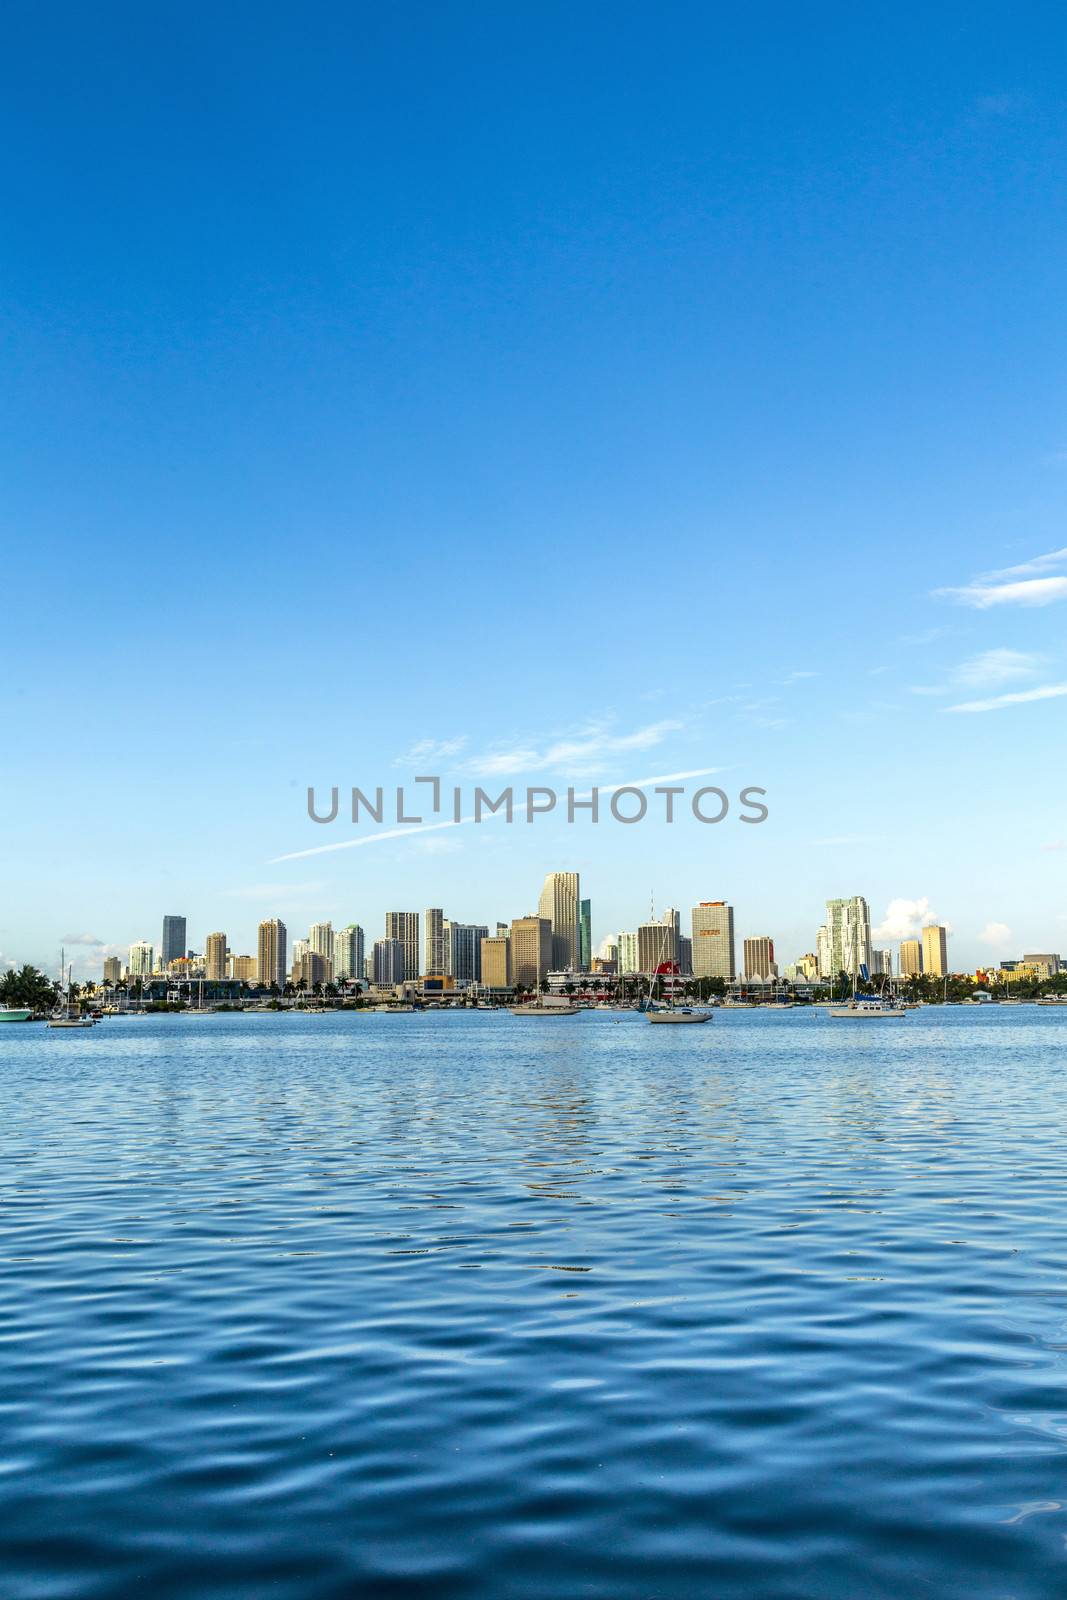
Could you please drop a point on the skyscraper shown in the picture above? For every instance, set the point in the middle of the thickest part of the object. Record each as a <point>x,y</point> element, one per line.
<point>348,952</point>
<point>320,940</point>
<point>911,958</point>
<point>215,956</point>
<point>531,950</point>
<point>713,941</point>
<point>112,969</point>
<point>657,943</point>
<point>434,924</point>
<point>559,903</point>
<point>404,927</point>
<point>496,962</point>
<point>935,951</point>
<point>627,953</point>
<point>173,939</point>
<point>389,957</point>
<point>847,946</point>
<point>759,958</point>
<point>142,959</point>
<point>463,950</point>
<point>585,934</point>
<point>270,960</point>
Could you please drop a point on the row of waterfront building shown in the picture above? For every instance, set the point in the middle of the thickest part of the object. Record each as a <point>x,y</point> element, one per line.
<point>556,938</point>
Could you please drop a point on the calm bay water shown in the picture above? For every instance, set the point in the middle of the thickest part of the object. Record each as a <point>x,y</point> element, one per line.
<point>458,1305</point>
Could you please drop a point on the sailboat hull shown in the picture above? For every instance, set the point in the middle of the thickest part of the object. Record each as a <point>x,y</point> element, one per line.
<point>679,1016</point>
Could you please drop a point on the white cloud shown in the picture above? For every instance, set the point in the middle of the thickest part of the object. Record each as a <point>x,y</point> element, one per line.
<point>435,750</point>
<point>905,918</point>
<point>1055,844</point>
<point>1054,558</point>
<point>81,938</point>
<point>994,667</point>
<point>1022,592</point>
<point>997,935</point>
<point>573,751</point>
<point>1050,691</point>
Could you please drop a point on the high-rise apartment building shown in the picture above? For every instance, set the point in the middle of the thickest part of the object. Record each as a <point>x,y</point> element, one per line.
<point>685,955</point>
<point>142,959</point>
<point>390,958</point>
<point>310,968</point>
<point>404,927</point>
<point>759,958</point>
<point>463,950</point>
<point>348,952</point>
<point>585,934</point>
<point>532,945</point>
<point>713,941</point>
<point>881,963</point>
<point>847,945</point>
<point>657,943</point>
<point>112,969</point>
<point>911,958</point>
<point>496,962</point>
<point>935,952</point>
<point>244,968</point>
<point>321,942</point>
<point>173,939</point>
<point>627,953</point>
<point>270,959</point>
<point>215,956</point>
<point>435,965</point>
<point>559,903</point>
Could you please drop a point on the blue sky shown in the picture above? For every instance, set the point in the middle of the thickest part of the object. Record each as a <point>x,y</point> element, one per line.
<point>605,391</point>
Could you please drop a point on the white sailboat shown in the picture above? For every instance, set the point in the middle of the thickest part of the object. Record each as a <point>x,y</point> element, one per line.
<point>667,1011</point>
<point>867,1006</point>
<point>68,1013</point>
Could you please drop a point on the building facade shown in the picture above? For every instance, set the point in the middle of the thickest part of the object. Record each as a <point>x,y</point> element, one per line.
<point>935,951</point>
<point>911,958</point>
<point>173,939</point>
<point>435,964</point>
<point>759,958</point>
<point>112,969</point>
<point>390,957</point>
<point>215,964</point>
<point>348,952</point>
<point>496,962</point>
<point>713,940</point>
<point>404,927</point>
<point>657,944</point>
<point>142,959</point>
<point>463,950</point>
<point>585,934</point>
<point>531,951</point>
<point>847,945</point>
<point>626,953</point>
<point>271,954</point>
<point>321,942</point>
<point>559,903</point>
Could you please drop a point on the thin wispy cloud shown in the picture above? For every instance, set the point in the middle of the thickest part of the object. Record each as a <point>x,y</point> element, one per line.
<point>81,938</point>
<point>994,667</point>
<point>1049,691</point>
<point>435,751</point>
<point>1041,581</point>
<point>574,750</point>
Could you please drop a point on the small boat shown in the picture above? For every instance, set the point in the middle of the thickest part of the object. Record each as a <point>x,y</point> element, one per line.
<point>868,1006</point>
<point>678,1014</point>
<point>539,1008</point>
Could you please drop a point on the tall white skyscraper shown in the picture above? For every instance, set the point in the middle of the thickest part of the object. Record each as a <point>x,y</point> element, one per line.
<point>142,959</point>
<point>433,919</point>
<point>348,952</point>
<point>320,940</point>
<point>559,903</point>
<point>627,956</point>
<point>713,941</point>
<point>845,938</point>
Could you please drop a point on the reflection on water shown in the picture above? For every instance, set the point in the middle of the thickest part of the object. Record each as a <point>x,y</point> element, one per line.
<point>445,1305</point>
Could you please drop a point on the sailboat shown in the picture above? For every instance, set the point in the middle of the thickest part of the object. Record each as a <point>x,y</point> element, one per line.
<point>667,1011</point>
<point>68,1013</point>
<point>867,1005</point>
